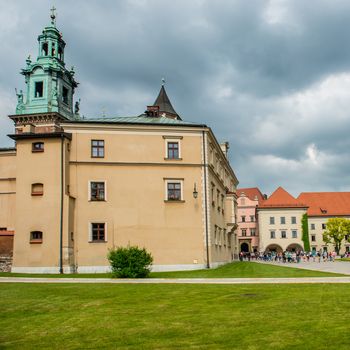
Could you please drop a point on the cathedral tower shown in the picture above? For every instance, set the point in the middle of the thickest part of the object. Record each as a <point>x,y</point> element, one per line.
<point>49,85</point>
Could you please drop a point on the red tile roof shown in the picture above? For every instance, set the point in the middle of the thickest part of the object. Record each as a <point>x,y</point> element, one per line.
<point>326,203</point>
<point>251,193</point>
<point>282,199</point>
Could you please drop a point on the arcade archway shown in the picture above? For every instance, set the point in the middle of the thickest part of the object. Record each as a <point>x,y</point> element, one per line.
<point>295,247</point>
<point>274,248</point>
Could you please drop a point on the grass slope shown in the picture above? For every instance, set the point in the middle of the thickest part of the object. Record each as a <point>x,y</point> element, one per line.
<point>51,316</point>
<point>233,270</point>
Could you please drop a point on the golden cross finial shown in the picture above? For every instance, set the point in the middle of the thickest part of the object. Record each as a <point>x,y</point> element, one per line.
<point>53,15</point>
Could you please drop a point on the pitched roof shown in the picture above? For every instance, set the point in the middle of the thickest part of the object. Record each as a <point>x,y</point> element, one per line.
<point>326,203</point>
<point>141,119</point>
<point>252,193</point>
<point>281,199</point>
<point>164,104</point>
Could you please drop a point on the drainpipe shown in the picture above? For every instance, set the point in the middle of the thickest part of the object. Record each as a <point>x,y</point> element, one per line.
<point>61,209</point>
<point>206,199</point>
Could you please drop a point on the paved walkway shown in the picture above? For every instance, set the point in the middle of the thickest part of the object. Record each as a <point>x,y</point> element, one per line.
<point>179,280</point>
<point>342,267</point>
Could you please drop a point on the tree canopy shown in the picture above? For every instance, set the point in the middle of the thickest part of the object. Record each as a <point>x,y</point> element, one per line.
<point>337,229</point>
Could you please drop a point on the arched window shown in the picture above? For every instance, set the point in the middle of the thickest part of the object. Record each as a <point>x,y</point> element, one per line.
<point>45,49</point>
<point>37,189</point>
<point>53,50</point>
<point>36,237</point>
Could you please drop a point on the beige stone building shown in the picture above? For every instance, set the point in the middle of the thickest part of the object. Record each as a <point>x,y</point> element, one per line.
<point>280,222</point>
<point>74,188</point>
<point>321,207</point>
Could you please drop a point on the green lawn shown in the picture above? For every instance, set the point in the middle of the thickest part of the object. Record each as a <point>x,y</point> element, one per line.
<point>86,316</point>
<point>232,270</point>
<point>343,259</point>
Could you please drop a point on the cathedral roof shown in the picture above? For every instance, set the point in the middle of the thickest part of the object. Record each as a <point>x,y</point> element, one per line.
<point>164,104</point>
<point>141,119</point>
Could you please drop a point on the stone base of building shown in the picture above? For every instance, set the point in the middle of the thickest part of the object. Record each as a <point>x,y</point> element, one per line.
<point>104,269</point>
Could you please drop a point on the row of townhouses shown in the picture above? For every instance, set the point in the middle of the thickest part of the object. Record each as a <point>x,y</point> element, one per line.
<point>275,223</point>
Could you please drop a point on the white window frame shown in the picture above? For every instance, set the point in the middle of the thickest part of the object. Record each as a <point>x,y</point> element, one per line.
<point>89,190</point>
<point>90,231</point>
<point>169,139</point>
<point>180,181</point>
<point>296,233</point>
<point>274,234</point>
<point>285,233</point>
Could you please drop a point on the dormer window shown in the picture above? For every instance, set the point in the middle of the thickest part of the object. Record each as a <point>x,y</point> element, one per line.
<point>39,89</point>
<point>45,49</point>
<point>37,147</point>
<point>65,95</point>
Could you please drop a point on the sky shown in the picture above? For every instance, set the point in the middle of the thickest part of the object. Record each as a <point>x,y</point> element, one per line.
<point>270,77</point>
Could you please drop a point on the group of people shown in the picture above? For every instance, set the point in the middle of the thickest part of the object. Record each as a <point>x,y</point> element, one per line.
<point>289,256</point>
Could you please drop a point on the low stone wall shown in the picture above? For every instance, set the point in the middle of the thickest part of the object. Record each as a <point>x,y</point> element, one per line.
<point>5,263</point>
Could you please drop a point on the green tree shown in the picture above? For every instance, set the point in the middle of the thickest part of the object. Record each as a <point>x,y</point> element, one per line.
<point>337,229</point>
<point>305,228</point>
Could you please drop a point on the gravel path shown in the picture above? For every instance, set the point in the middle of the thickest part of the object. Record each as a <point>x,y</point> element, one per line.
<point>342,267</point>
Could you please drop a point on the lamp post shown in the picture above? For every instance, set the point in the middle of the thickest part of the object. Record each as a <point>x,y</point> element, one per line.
<point>195,192</point>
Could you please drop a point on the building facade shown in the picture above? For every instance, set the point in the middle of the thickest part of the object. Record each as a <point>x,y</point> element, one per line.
<point>247,219</point>
<point>321,207</point>
<point>74,188</point>
<point>279,220</point>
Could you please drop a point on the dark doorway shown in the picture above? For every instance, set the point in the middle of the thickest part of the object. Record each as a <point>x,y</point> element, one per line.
<point>245,247</point>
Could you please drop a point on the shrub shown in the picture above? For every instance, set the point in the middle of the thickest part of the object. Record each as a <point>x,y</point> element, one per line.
<point>130,262</point>
<point>305,228</point>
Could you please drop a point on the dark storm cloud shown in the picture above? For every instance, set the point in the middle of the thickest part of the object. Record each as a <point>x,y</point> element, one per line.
<point>271,77</point>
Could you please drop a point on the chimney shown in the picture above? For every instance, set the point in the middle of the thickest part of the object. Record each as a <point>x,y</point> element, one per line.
<point>225,147</point>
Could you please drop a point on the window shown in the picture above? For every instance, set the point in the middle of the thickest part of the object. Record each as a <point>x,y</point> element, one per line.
<point>252,218</point>
<point>224,237</point>
<point>283,220</point>
<point>98,232</point>
<point>36,237</point>
<point>283,234</point>
<point>37,147</point>
<point>97,191</point>
<point>313,238</point>
<point>244,232</point>
<point>294,220</point>
<point>174,191</point>
<point>37,189</point>
<point>243,218</point>
<point>272,220</point>
<point>272,234</point>
<point>45,49</point>
<point>253,232</point>
<point>324,226</point>
<point>242,201</point>
<point>65,95</point>
<point>212,194</point>
<point>312,226</point>
<point>216,235</point>
<point>294,234</point>
<point>97,148</point>
<point>173,150</point>
<point>38,89</point>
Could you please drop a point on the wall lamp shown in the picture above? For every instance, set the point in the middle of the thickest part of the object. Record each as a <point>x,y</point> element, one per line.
<point>195,192</point>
